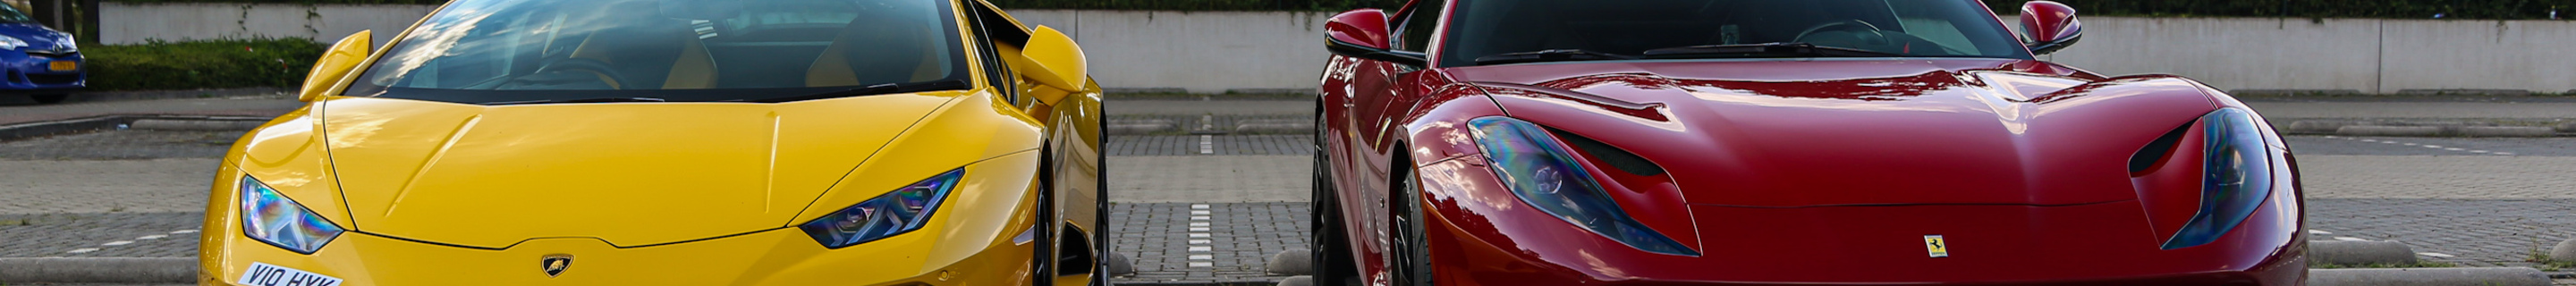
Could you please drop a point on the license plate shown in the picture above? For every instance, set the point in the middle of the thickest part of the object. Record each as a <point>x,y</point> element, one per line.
<point>262,274</point>
<point>65,65</point>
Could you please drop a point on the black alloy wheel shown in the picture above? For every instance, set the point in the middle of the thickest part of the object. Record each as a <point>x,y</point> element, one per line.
<point>1410,255</point>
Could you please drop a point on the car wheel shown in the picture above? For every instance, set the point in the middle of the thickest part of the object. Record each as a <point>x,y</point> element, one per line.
<point>1042,261</point>
<point>49,98</point>
<point>1410,256</point>
<point>1331,253</point>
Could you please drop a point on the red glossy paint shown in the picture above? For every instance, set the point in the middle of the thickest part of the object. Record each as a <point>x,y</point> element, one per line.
<point>1366,27</point>
<point>2049,21</point>
<point>1803,171</point>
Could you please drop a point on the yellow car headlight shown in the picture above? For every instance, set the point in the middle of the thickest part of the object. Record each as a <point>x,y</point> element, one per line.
<point>897,212</point>
<point>270,217</point>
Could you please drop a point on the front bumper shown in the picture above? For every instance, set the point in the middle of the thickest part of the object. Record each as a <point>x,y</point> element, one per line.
<point>22,72</point>
<point>774,257</point>
<point>2108,243</point>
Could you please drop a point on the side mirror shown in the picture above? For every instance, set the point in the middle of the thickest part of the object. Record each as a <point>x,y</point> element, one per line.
<point>1363,34</point>
<point>1058,61</point>
<point>2049,26</point>
<point>336,64</point>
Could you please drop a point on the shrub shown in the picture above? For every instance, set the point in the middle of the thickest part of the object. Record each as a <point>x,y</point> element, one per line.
<point>201,64</point>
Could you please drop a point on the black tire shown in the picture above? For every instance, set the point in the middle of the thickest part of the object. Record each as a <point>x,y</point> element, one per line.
<point>1042,261</point>
<point>49,98</point>
<point>1331,251</point>
<point>1410,255</point>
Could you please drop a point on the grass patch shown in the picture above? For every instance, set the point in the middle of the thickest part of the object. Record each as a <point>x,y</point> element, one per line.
<point>201,64</point>
<point>2417,264</point>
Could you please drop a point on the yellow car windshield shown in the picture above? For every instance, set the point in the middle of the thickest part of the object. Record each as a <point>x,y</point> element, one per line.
<point>497,51</point>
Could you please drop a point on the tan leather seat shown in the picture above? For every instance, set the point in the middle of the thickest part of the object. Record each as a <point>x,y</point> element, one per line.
<point>648,49</point>
<point>878,50</point>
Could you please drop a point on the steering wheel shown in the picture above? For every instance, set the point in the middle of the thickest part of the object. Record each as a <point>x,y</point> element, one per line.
<point>585,65</point>
<point>1845,25</point>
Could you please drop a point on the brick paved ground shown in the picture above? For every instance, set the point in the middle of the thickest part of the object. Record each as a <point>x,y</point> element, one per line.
<point>1223,107</point>
<point>163,234</point>
<point>1220,145</point>
<point>131,186</point>
<point>259,106</point>
<point>122,145</point>
<point>1209,179</point>
<point>2476,232</point>
<point>1219,243</point>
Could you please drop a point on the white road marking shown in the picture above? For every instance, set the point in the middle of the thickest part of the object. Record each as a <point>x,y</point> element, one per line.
<point>83,250</point>
<point>1198,212</point>
<point>1207,144</point>
<point>1202,257</point>
<point>1202,223</point>
<point>1198,206</point>
<point>1198,235</point>
<point>184,231</point>
<point>2312,231</point>
<point>1199,241</point>
<point>1202,264</point>
<point>2433,254</point>
<point>2348,238</point>
<point>116,243</point>
<point>1201,248</point>
<point>1198,229</point>
<point>2445,148</point>
<point>149,237</point>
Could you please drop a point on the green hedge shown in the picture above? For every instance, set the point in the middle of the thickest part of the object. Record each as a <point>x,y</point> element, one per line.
<point>432,2</point>
<point>202,64</point>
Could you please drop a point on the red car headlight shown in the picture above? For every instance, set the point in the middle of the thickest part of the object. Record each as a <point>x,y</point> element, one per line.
<point>2236,177</point>
<point>1543,172</point>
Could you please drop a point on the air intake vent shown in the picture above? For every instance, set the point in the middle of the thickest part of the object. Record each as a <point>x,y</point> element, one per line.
<point>1617,159</point>
<point>2157,151</point>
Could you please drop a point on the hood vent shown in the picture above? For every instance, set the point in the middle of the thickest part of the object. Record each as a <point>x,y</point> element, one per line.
<point>2155,152</point>
<point>1617,159</point>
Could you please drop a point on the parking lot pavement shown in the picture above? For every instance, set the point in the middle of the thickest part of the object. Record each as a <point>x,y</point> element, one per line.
<point>257,106</point>
<point>1197,107</point>
<point>1205,243</point>
<point>2412,109</point>
<point>124,186</point>
<point>2432,146</point>
<point>1209,179</point>
<point>116,234</point>
<point>2483,233</point>
<point>1218,145</point>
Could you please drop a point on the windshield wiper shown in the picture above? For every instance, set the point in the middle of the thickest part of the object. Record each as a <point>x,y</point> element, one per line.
<point>1764,50</point>
<point>889,88</point>
<point>579,100</point>
<point>1549,56</point>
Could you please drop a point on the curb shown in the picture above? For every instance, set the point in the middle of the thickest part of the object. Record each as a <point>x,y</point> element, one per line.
<point>2566,251</point>
<point>2430,127</point>
<point>2495,276</point>
<point>2360,252</point>
<point>1294,261</point>
<point>132,95</point>
<point>94,123</point>
<point>99,270</point>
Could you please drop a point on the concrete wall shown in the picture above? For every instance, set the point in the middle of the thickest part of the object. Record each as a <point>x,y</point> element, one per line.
<point>130,23</point>
<point>2363,55</point>
<point>1210,52</point>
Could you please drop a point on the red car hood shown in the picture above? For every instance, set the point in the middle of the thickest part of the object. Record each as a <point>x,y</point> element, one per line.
<point>1858,132</point>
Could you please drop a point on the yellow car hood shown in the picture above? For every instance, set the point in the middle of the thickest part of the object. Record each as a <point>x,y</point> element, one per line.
<point>631,174</point>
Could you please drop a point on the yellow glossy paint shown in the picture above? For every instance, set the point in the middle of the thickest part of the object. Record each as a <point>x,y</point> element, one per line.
<point>336,63</point>
<point>658,193</point>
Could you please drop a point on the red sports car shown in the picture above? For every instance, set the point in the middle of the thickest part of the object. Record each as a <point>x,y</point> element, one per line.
<point>1724,142</point>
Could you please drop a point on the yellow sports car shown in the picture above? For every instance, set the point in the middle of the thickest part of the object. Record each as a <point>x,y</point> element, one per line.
<point>676,142</point>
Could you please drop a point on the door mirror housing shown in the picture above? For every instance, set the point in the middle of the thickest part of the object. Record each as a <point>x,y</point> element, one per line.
<point>1059,62</point>
<point>336,64</point>
<point>1363,34</point>
<point>2049,26</point>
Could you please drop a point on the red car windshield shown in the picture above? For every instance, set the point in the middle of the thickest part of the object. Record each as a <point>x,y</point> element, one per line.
<point>1512,31</point>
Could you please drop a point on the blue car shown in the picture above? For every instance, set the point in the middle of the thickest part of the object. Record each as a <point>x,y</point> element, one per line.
<point>40,62</point>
